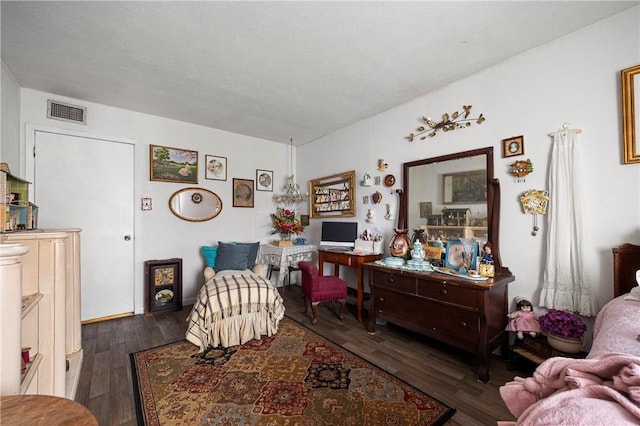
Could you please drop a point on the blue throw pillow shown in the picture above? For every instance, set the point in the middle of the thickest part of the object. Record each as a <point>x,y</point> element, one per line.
<point>232,256</point>
<point>253,253</point>
<point>210,254</point>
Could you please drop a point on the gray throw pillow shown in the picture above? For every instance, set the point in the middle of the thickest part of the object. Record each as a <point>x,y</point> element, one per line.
<point>232,256</point>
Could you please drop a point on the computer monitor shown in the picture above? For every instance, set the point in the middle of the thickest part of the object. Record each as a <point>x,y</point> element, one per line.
<point>339,234</point>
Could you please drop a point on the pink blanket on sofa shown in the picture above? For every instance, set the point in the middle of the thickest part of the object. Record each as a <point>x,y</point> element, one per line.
<point>603,390</point>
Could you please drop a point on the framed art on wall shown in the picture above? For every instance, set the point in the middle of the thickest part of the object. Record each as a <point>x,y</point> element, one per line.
<point>169,164</point>
<point>465,187</point>
<point>215,167</point>
<point>513,146</point>
<point>264,180</point>
<point>242,192</point>
<point>630,83</point>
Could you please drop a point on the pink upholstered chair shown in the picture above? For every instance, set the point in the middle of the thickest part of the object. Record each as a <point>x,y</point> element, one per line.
<point>319,289</point>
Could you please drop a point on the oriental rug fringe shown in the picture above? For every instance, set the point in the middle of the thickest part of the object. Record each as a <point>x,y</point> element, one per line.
<point>296,377</point>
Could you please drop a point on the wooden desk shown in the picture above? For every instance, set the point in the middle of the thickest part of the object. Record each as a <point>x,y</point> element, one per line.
<point>36,410</point>
<point>347,259</point>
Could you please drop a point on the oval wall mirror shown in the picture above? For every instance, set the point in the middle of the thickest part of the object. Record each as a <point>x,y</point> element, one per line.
<point>195,204</point>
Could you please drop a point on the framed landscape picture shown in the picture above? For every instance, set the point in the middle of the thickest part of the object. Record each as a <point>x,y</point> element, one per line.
<point>242,192</point>
<point>168,164</point>
<point>215,167</point>
<point>465,187</point>
<point>264,180</point>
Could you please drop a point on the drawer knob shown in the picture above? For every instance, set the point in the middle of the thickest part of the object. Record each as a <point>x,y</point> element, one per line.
<point>463,324</point>
<point>444,291</point>
<point>382,299</point>
<point>391,279</point>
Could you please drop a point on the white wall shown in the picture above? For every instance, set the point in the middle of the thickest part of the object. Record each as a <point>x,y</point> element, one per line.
<point>10,120</point>
<point>574,79</point>
<point>159,234</point>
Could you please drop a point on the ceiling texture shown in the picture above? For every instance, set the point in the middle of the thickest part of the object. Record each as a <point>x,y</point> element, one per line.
<point>273,69</point>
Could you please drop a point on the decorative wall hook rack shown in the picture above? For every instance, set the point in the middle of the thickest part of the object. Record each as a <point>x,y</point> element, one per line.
<point>521,168</point>
<point>535,202</point>
<point>451,122</point>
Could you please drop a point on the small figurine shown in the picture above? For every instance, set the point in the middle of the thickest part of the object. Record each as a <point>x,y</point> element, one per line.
<point>417,252</point>
<point>371,216</point>
<point>487,256</point>
<point>389,215</point>
<point>523,320</point>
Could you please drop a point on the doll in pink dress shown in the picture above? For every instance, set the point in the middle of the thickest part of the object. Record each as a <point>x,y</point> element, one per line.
<point>523,320</point>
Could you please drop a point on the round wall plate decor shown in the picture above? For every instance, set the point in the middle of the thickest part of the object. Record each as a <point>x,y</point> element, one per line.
<point>389,180</point>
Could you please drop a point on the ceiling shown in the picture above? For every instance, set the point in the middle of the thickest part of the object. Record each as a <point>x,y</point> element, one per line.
<point>273,70</point>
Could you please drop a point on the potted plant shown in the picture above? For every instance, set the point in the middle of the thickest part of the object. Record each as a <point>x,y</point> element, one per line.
<point>285,222</point>
<point>565,330</point>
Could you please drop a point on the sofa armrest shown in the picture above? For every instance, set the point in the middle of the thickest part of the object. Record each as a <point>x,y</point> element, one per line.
<point>258,268</point>
<point>208,273</point>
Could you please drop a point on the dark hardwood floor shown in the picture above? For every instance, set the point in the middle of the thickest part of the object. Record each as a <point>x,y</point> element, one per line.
<point>441,371</point>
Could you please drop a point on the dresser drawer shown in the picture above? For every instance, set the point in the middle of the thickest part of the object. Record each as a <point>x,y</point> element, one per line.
<point>462,296</point>
<point>395,281</point>
<point>431,318</point>
<point>338,258</point>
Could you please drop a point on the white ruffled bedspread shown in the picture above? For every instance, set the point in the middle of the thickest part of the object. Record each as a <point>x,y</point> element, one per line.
<point>603,389</point>
<point>232,308</point>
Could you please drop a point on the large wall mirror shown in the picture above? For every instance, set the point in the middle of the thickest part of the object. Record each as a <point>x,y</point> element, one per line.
<point>453,196</point>
<point>630,83</point>
<point>195,204</point>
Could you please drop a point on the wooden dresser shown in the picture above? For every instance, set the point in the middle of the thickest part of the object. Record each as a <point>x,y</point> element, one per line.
<point>466,314</point>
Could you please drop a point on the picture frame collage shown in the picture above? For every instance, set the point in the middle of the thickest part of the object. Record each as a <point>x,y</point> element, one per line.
<point>179,165</point>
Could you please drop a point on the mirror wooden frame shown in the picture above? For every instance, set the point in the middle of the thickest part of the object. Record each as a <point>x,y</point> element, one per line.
<point>630,83</point>
<point>493,197</point>
<point>321,204</point>
<point>205,205</point>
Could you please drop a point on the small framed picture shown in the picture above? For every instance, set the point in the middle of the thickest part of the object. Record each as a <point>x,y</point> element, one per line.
<point>168,164</point>
<point>304,219</point>
<point>146,204</point>
<point>242,192</point>
<point>264,180</point>
<point>215,167</point>
<point>513,146</point>
<point>454,257</point>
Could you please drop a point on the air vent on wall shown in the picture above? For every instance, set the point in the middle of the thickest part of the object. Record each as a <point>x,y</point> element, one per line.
<point>65,112</point>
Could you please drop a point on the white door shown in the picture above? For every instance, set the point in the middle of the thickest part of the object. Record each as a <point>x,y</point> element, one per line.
<point>87,183</point>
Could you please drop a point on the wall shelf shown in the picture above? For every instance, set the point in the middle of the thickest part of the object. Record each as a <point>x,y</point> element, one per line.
<point>29,302</point>
<point>30,373</point>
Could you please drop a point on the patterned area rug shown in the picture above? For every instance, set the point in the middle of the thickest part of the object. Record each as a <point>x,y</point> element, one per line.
<point>296,377</point>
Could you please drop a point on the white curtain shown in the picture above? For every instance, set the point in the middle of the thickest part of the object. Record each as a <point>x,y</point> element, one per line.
<point>565,284</point>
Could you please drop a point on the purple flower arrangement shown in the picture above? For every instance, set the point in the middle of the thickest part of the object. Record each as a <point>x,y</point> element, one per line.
<point>563,324</point>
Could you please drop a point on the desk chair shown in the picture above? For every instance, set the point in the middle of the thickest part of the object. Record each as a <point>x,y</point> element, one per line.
<point>319,289</point>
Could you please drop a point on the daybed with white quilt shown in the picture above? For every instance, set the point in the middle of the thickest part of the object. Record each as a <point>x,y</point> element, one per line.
<point>236,304</point>
<point>604,388</point>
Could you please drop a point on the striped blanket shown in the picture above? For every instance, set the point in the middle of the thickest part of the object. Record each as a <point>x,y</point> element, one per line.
<point>232,308</point>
